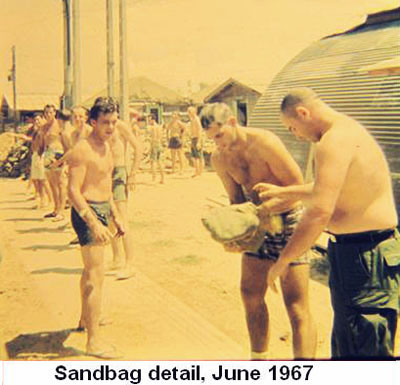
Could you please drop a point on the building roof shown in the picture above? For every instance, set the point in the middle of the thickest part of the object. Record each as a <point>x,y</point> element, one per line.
<point>31,102</point>
<point>143,89</point>
<point>206,94</point>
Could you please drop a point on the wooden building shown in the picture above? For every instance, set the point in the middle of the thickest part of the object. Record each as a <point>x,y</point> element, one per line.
<point>240,97</point>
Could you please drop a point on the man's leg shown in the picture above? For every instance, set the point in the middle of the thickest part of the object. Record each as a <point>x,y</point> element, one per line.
<point>173,160</point>
<point>127,271</point>
<point>253,288</point>
<point>91,294</point>
<point>295,294</point>
<point>161,169</point>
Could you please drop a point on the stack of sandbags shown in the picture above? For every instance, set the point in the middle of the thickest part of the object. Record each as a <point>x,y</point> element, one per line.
<point>14,156</point>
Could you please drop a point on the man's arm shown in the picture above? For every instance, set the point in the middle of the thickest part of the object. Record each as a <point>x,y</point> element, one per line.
<point>135,143</point>
<point>267,191</point>
<point>234,190</point>
<point>333,157</point>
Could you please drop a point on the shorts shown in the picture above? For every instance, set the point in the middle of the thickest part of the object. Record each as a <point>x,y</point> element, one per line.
<point>102,210</point>
<point>175,143</point>
<point>274,244</point>
<point>119,184</point>
<point>37,167</point>
<point>50,156</point>
<point>197,152</point>
<point>156,152</point>
<point>364,281</point>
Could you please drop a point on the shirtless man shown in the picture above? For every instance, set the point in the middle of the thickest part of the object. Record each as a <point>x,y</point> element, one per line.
<point>54,150</point>
<point>122,184</point>
<point>197,143</point>
<point>244,157</point>
<point>175,131</point>
<point>156,148</point>
<point>90,192</point>
<point>352,198</point>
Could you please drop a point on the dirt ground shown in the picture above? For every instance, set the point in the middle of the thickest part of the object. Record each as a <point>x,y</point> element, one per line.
<point>184,302</point>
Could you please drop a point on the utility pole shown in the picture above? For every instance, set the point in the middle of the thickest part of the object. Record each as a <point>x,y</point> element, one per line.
<point>110,49</point>
<point>67,102</point>
<point>76,43</point>
<point>14,80</point>
<point>123,62</point>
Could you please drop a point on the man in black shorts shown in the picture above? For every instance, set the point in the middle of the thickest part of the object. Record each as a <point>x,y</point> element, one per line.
<point>245,157</point>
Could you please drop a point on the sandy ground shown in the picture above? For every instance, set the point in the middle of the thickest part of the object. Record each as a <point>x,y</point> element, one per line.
<point>183,303</point>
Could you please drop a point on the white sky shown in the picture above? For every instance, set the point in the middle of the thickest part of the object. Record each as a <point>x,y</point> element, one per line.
<point>172,41</point>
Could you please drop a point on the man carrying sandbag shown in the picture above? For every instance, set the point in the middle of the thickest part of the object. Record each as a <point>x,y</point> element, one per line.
<point>245,157</point>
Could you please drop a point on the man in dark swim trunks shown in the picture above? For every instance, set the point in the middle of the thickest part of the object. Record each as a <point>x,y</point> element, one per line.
<point>90,192</point>
<point>175,131</point>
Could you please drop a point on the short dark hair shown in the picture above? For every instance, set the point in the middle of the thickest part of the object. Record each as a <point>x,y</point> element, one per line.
<point>104,105</point>
<point>214,112</point>
<point>38,114</point>
<point>294,97</point>
<point>50,106</point>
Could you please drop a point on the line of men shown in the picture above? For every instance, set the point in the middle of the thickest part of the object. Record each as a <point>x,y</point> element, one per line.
<point>364,250</point>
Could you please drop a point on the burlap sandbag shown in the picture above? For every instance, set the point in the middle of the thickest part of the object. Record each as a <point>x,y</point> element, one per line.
<point>244,224</point>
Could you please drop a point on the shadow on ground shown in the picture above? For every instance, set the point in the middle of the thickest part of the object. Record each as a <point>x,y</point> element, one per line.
<point>49,247</point>
<point>58,270</point>
<point>48,345</point>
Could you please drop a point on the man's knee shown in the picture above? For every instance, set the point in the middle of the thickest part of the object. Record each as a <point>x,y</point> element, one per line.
<point>298,313</point>
<point>251,295</point>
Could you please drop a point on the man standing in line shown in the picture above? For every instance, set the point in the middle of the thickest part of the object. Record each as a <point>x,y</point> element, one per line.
<point>197,143</point>
<point>352,198</point>
<point>122,185</point>
<point>244,157</point>
<point>90,192</point>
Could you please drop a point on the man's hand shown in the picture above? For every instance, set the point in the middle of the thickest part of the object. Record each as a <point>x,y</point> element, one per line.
<point>232,247</point>
<point>101,234</point>
<point>119,226</point>
<point>267,191</point>
<point>131,182</point>
<point>276,271</point>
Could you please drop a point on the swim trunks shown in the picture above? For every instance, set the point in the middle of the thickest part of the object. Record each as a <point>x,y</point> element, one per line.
<point>196,150</point>
<point>274,244</point>
<point>175,143</point>
<point>37,167</point>
<point>119,184</point>
<point>51,155</point>
<point>102,210</point>
<point>156,151</point>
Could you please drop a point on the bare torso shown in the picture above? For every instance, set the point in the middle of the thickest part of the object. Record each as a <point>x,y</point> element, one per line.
<point>176,128</point>
<point>366,199</point>
<point>195,127</point>
<point>52,136</point>
<point>249,163</point>
<point>97,183</point>
<point>155,134</point>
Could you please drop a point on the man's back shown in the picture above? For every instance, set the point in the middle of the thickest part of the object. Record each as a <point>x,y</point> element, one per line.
<point>366,199</point>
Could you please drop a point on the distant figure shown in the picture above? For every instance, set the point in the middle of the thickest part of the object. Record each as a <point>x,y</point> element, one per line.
<point>156,148</point>
<point>197,141</point>
<point>352,197</point>
<point>90,191</point>
<point>123,184</point>
<point>175,131</point>
<point>54,150</point>
<point>243,158</point>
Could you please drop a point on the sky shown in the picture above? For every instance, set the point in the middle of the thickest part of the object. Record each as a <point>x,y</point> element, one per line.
<point>178,43</point>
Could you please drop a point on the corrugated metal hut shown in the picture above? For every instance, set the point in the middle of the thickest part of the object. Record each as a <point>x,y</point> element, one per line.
<point>357,73</point>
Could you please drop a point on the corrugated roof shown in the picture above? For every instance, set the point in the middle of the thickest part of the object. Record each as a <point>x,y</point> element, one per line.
<point>204,95</point>
<point>144,89</point>
<point>32,102</point>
